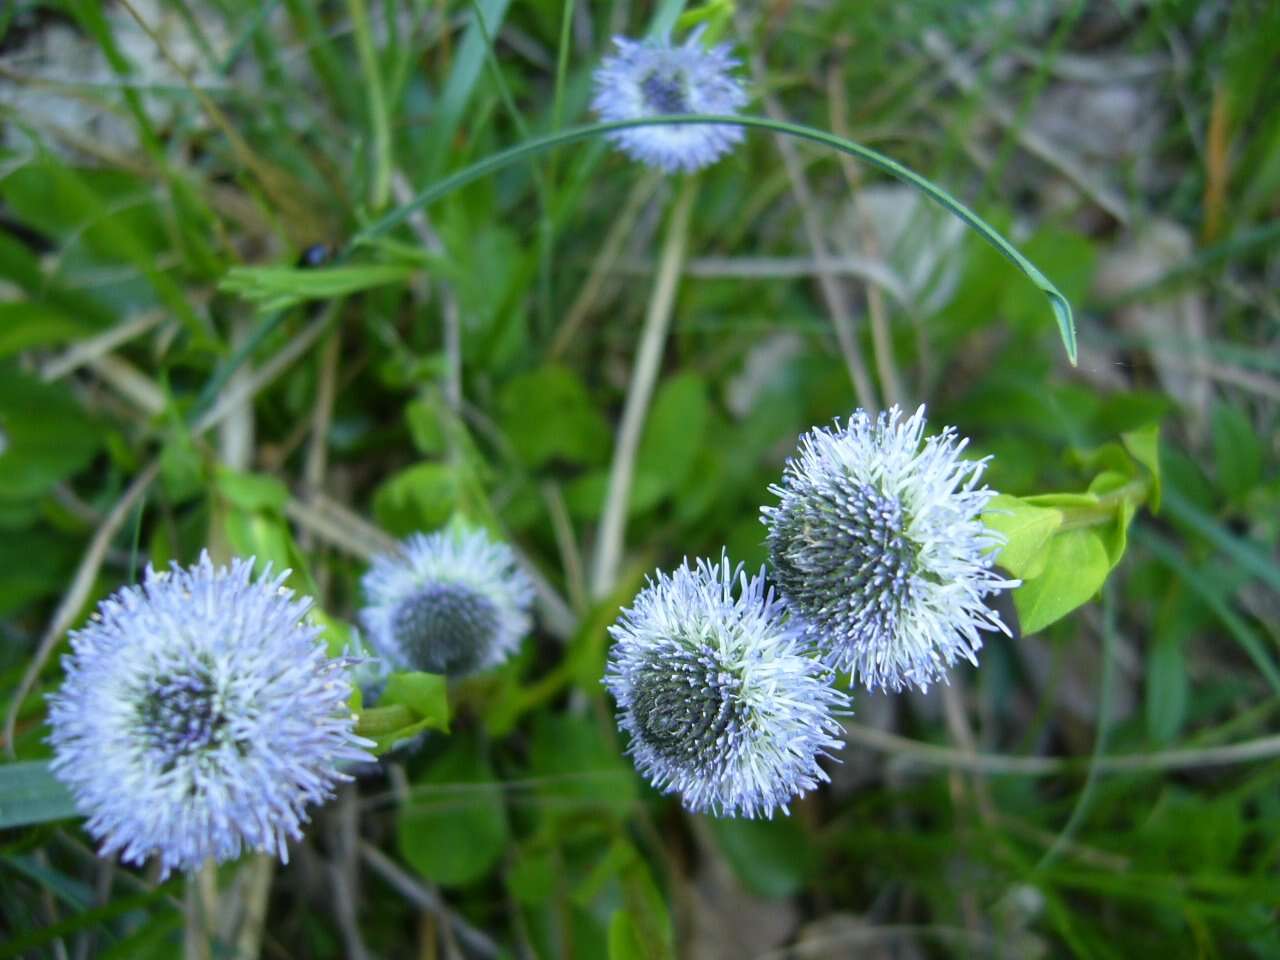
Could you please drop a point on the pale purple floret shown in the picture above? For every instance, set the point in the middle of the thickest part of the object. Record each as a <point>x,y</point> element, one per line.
<point>720,704</point>
<point>657,78</point>
<point>452,602</point>
<point>200,716</point>
<point>879,549</point>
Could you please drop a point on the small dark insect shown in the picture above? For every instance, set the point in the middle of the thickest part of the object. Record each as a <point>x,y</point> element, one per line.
<point>317,255</point>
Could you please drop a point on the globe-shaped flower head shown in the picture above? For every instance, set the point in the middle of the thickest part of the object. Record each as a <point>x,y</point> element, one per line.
<point>654,79</point>
<point>721,706</point>
<point>201,715</point>
<point>450,602</point>
<point>878,547</point>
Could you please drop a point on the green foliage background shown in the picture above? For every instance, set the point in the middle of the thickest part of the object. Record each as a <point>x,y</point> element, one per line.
<point>170,377</point>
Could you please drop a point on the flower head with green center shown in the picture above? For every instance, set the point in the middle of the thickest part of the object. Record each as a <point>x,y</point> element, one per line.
<point>201,715</point>
<point>720,705</point>
<point>653,79</point>
<point>879,549</point>
<point>452,602</point>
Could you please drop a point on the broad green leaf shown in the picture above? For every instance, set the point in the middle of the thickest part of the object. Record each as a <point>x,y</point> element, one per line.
<point>584,773</point>
<point>1027,531</point>
<point>772,858</point>
<point>453,828</point>
<point>672,438</point>
<point>30,793</point>
<point>44,434</point>
<point>421,497</point>
<point>1074,570</point>
<point>25,324</point>
<point>547,414</point>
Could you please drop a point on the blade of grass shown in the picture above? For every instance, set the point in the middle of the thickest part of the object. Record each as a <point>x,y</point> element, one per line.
<point>380,185</point>
<point>1244,635</point>
<point>497,161</point>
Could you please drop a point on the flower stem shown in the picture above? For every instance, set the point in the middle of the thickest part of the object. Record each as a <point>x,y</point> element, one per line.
<point>657,321</point>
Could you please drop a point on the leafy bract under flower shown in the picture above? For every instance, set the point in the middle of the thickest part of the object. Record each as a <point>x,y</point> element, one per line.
<point>201,715</point>
<point>653,79</point>
<point>879,549</point>
<point>452,602</point>
<point>720,705</point>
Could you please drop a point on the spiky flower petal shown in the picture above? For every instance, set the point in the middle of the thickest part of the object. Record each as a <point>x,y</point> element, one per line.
<point>201,715</point>
<point>452,602</point>
<point>720,705</point>
<point>652,79</point>
<point>878,546</point>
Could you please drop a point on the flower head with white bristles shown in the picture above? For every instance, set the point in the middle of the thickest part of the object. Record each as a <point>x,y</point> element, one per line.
<point>201,715</point>
<point>654,79</point>
<point>451,602</point>
<point>720,704</point>
<point>878,548</point>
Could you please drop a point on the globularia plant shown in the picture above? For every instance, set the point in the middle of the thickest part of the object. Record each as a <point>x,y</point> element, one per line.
<point>451,602</point>
<point>721,705</point>
<point>658,78</point>
<point>878,548</point>
<point>201,715</point>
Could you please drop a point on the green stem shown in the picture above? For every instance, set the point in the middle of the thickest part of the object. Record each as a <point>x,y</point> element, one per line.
<point>497,161</point>
<point>1104,511</point>
<point>379,721</point>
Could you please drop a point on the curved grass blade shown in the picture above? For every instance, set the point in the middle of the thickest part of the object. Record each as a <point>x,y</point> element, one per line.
<point>497,161</point>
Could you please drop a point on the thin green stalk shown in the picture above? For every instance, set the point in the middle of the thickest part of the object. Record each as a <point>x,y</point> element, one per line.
<point>1104,511</point>
<point>380,188</point>
<point>497,161</point>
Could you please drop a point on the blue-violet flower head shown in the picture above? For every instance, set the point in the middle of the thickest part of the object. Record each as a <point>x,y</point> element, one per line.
<point>451,602</point>
<point>721,705</point>
<point>653,79</point>
<point>201,715</point>
<point>878,547</point>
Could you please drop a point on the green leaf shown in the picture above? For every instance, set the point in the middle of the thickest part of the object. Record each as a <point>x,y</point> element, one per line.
<point>673,436</point>
<point>30,793</point>
<point>453,829</point>
<point>1237,451</point>
<point>772,858</point>
<point>547,414</point>
<point>426,694</point>
<point>1075,569</point>
<point>584,772</point>
<point>44,434</point>
<point>24,324</point>
<point>1027,532</point>
<point>411,703</point>
<point>277,288</point>
<point>1144,446</point>
<point>421,497</point>
<point>251,491</point>
<point>642,929</point>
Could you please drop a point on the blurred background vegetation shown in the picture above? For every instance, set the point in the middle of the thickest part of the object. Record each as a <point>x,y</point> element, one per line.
<point>1104,788</point>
